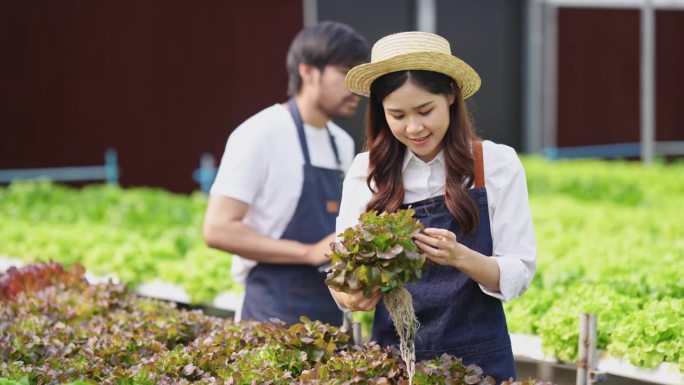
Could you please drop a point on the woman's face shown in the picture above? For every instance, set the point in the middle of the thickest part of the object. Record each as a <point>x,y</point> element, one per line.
<point>418,119</point>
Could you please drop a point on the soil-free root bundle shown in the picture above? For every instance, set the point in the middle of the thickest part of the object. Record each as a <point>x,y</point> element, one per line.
<point>380,252</point>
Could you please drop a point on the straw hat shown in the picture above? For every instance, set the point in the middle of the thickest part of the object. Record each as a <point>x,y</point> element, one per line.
<point>412,51</point>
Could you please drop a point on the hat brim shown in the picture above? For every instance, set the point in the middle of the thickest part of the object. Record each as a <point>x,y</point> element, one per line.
<point>360,78</point>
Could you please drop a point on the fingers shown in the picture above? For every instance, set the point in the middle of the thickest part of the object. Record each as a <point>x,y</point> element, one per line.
<point>358,302</point>
<point>442,234</point>
<point>439,239</point>
<point>439,245</point>
<point>427,245</point>
<point>435,255</point>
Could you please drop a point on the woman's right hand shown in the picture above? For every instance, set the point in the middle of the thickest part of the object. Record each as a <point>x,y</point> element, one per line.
<point>356,301</point>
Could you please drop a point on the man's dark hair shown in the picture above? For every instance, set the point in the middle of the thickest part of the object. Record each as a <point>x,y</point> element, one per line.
<point>326,43</point>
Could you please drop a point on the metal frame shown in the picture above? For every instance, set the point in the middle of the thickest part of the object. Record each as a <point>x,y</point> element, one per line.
<point>590,368</point>
<point>617,150</point>
<point>108,172</point>
<point>310,12</point>
<point>587,373</point>
<point>533,47</point>
<point>426,15</point>
<point>648,78</point>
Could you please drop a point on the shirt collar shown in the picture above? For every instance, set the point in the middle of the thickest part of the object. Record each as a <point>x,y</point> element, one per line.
<point>410,157</point>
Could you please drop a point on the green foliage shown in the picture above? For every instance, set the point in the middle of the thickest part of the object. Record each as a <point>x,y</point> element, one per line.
<point>611,242</point>
<point>136,234</point>
<point>619,182</point>
<point>608,227</point>
<point>659,321</point>
<point>313,339</point>
<point>377,252</point>
<point>450,370</point>
<point>72,332</point>
<point>368,365</point>
<point>22,381</point>
<point>560,330</point>
<point>265,364</point>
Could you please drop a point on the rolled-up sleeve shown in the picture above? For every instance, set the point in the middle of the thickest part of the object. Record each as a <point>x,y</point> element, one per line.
<point>514,243</point>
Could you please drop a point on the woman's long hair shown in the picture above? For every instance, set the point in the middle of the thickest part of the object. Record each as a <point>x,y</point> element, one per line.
<point>386,153</point>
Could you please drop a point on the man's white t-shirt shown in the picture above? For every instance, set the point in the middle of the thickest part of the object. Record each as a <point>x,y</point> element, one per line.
<point>262,166</point>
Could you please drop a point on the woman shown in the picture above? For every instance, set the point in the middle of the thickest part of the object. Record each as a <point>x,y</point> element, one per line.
<point>470,195</point>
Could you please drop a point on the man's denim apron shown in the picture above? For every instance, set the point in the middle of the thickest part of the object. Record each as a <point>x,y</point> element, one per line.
<point>288,291</point>
<point>455,316</point>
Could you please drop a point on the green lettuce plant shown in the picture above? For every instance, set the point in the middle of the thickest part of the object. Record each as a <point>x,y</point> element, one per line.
<point>380,252</point>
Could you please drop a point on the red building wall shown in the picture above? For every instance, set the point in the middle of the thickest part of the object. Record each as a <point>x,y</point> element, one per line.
<point>161,81</point>
<point>599,76</point>
<point>670,77</point>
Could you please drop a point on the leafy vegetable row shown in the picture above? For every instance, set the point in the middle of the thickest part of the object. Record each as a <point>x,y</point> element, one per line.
<point>136,234</point>
<point>610,235</point>
<point>103,334</point>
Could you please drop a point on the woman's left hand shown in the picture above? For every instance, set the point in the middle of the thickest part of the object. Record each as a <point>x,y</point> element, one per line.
<point>440,246</point>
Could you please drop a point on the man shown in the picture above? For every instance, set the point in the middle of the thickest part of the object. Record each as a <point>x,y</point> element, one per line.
<point>277,192</point>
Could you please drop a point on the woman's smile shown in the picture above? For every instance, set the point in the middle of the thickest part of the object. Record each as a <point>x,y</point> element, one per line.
<point>420,141</point>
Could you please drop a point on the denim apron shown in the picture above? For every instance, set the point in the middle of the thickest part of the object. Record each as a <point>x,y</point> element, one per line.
<point>288,291</point>
<point>455,316</point>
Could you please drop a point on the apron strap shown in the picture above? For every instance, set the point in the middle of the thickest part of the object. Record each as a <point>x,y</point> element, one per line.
<point>334,148</point>
<point>300,129</point>
<point>294,111</point>
<point>479,164</point>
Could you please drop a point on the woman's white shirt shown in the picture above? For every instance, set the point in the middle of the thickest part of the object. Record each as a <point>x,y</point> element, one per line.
<point>514,244</point>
